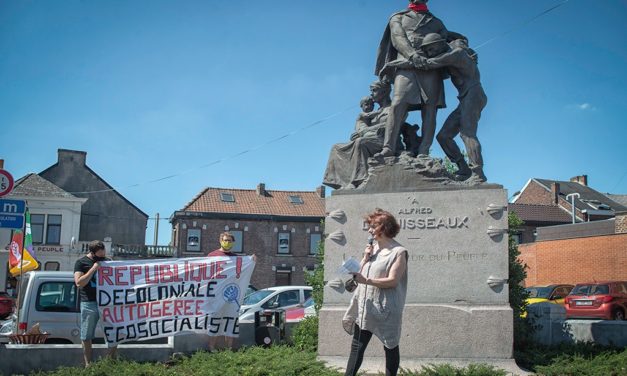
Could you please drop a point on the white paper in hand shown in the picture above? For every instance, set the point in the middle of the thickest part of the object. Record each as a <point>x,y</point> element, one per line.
<point>349,266</point>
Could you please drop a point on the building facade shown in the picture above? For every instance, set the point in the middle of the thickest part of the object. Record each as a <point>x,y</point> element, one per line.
<point>106,213</point>
<point>578,253</point>
<point>544,202</point>
<point>282,228</point>
<point>55,224</point>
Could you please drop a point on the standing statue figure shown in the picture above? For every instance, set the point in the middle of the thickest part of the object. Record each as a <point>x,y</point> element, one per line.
<point>461,63</point>
<point>348,163</point>
<point>413,88</point>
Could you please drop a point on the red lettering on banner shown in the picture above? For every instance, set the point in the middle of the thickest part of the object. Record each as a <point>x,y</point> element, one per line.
<point>135,271</point>
<point>144,314</point>
<point>104,272</point>
<point>155,278</point>
<point>199,307</point>
<point>119,274</point>
<point>106,314</point>
<point>219,268</point>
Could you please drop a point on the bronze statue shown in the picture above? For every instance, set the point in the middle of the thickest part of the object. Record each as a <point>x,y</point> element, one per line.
<point>461,63</point>
<point>413,88</point>
<point>348,163</point>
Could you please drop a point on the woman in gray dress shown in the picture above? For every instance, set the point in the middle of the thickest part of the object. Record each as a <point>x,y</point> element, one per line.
<point>377,305</point>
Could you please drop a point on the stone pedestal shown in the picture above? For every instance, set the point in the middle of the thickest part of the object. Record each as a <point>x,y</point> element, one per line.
<point>457,300</point>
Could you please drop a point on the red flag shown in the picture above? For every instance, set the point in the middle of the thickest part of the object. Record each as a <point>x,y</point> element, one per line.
<point>15,249</point>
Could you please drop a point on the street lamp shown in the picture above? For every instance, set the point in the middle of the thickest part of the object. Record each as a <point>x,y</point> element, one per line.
<point>572,200</point>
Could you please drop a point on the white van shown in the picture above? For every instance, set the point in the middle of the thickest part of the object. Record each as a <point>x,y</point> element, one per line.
<point>273,298</point>
<point>52,300</point>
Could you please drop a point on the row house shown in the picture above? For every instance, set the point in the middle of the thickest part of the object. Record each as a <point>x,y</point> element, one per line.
<point>544,202</point>
<point>283,228</point>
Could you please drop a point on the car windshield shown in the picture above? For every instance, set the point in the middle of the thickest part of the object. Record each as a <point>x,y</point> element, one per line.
<point>590,290</point>
<point>257,296</point>
<point>539,292</point>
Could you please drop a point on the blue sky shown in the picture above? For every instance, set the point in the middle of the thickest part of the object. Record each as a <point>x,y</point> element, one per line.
<point>156,88</point>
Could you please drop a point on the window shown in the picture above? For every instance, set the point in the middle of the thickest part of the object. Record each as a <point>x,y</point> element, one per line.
<point>283,299</point>
<point>314,239</point>
<point>193,240</point>
<point>53,230</point>
<point>284,243</point>
<point>307,294</point>
<point>517,238</point>
<point>52,265</point>
<point>237,246</point>
<point>227,197</point>
<point>37,227</point>
<point>295,199</point>
<point>57,297</point>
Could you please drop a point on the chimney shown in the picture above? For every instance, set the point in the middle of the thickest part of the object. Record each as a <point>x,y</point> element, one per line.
<point>321,191</point>
<point>581,179</point>
<point>261,189</point>
<point>555,190</point>
<point>72,156</point>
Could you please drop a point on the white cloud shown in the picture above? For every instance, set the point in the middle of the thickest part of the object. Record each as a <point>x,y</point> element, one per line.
<point>582,107</point>
<point>586,106</point>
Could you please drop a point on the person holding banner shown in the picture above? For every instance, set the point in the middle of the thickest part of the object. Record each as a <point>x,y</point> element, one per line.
<point>85,278</point>
<point>227,241</point>
<point>377,305</point>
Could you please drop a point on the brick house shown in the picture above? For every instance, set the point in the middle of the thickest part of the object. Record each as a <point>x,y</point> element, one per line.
<point>544,202</point>
<point>282,228</point>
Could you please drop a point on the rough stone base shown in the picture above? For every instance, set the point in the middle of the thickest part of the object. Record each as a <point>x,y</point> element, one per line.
<point>376,365</point>
<point>431,331</point>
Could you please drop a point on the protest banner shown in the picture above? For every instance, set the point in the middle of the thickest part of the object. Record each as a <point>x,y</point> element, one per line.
<point>159,298</point>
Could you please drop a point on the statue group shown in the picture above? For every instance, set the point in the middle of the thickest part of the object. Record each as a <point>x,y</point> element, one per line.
<point>416,54</point>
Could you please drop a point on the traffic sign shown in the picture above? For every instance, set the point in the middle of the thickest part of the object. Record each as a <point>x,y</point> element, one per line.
<point>6,182</point>
<point>11,221</point>
<point>12,213</point>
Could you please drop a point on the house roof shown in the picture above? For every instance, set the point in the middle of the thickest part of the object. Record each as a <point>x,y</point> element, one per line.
<point>33,185</point>
<point>540,213</point>
<point>621,199</point>
<point>248,201</point>
<point>589,199</point>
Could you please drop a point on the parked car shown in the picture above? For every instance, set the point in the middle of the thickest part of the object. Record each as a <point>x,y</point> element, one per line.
<point>273,298</point>
<point>600,300</point>
<point>6,305</point>
<point>301,311</point>
<point>547,293</point>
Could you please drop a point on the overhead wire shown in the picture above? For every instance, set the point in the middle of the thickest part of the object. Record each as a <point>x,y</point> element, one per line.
<point>317,122</point>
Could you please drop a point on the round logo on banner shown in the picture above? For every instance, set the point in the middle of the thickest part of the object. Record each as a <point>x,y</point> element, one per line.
<point>6,182</point>
<point>231,293</point>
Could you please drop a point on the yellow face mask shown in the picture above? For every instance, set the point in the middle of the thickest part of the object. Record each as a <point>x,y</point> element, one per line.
<point>226,245</point>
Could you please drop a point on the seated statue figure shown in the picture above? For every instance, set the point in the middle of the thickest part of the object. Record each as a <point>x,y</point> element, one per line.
<point>348,163</point>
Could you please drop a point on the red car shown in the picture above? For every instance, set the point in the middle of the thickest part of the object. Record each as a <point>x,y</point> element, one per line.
<point>598,300</point>
<point>6,305</point>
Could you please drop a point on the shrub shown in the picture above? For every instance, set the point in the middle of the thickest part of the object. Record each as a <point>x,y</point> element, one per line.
<point>316,278</point>
<point>536,357</point>
<point>523,329</point>
<point>449,370</point>
<point>608,363</point>
<point>305,334</point>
